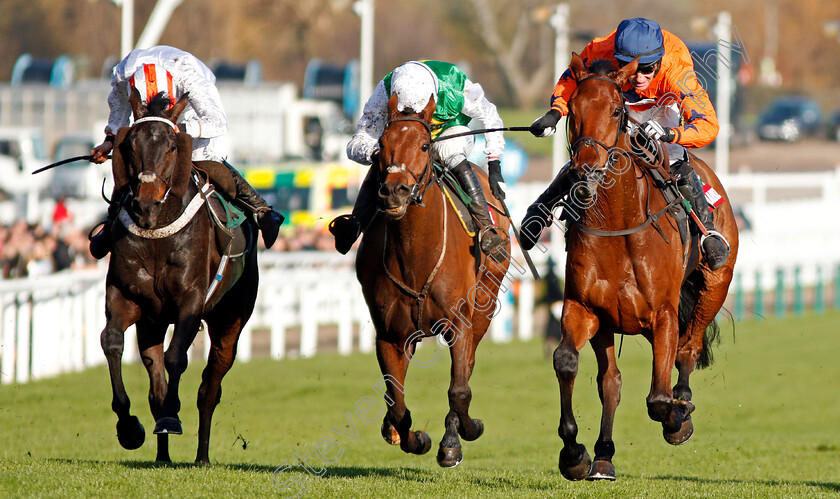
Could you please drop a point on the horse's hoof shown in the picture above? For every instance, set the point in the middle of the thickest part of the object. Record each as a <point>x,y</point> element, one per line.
<point>601,470</point>
<point>449,457</point>
<point>130,433</point>
<point>575,471</point>
<point>169,426</point>
<point>425,442</point>
<point>479,430</point>
<point>390,434</point>
<point>682,435</point>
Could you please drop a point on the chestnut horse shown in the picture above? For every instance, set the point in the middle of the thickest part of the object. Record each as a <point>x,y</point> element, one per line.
<point>419,271</point>
<point>629,272</point>
<point>162,269</point>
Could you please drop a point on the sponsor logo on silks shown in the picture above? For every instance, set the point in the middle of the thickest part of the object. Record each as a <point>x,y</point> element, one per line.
<point>712,197</point>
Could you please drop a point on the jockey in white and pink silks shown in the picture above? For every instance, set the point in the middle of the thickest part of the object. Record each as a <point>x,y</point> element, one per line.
<point>457,101</point>
<point>177,73</point>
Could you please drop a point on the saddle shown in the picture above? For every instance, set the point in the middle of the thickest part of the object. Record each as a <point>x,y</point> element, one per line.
<point>226,217</point>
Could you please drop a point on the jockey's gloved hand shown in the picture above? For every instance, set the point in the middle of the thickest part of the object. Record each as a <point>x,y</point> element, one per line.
<point>497,183</point>
<point>546,125</point>
<point>658,132</point>
<point>374,157</point>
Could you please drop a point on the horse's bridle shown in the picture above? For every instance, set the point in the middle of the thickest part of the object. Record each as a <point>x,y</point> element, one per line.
<point>146,177</point>
<point>575,147</point>
<point>421,183</point>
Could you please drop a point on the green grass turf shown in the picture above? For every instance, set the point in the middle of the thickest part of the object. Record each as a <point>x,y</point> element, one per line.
<point>765,426</point>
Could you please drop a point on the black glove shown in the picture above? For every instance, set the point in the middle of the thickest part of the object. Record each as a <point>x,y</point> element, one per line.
<point>497,183</point>
<point>374,157</point>
<point>545,126</point>
<point>658,132</point>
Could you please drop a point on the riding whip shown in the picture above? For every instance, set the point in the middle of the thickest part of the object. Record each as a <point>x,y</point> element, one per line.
<point>64,162</point>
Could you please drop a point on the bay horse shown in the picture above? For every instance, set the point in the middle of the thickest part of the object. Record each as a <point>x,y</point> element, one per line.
<point>420,271</point>
<point>628,271</point>
<point>162,271</point>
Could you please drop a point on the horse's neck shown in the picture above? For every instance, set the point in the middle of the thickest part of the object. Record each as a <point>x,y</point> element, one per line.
<point>620,200</point>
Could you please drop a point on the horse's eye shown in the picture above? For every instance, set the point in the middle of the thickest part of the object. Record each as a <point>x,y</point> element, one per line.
<point>425,147</point>
<point>617,112</point>
<point>172,147</point>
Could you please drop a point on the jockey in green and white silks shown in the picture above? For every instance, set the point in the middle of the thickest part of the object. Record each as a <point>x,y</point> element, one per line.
<point>457,101</point>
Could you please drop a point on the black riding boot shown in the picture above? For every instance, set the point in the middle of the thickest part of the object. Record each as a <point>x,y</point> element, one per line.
<point>268,219</point>
<point>478,208</point>
<point>347,228</point>
<point>539,214</point>
<point>100,244</point>
<point>714,246</point>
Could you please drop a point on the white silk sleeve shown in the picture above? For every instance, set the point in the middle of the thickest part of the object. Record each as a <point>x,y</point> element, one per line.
<point>477,106</point>
<point>208,119</point>
<point>371,125</point>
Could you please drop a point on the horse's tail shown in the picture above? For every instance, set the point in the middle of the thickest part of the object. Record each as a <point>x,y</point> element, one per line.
<point>689,295</point>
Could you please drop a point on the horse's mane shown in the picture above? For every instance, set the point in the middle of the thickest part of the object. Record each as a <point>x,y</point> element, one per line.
<point>158,104</point>
<point>601,67</point>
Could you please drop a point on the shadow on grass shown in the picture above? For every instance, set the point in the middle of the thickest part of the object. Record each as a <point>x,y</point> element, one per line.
<point>827,486</point>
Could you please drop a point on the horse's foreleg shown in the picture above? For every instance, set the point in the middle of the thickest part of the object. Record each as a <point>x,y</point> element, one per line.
<point>120,314</point>
<point>578,327</point>
<point>458,420</point>
<point>222,354</point>
<point>609,390</point>
<point>150,341</point>
<point>175,360</point>
<point>393,362</point>
<point>660,401</point>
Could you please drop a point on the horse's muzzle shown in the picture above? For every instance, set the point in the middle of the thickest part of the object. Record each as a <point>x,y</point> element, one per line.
<point>395,198</point>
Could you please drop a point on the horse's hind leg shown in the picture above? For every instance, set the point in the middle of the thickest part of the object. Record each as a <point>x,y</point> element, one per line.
<point>458,420</point>
<point>150,340</point>
<point>120,314</point>
<point>393,362</point>
<point>609,390</point>
<point>222,354</point>
<point>708,292</point>
<point>578,327</point>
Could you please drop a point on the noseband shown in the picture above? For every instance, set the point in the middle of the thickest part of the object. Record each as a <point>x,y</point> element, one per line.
<point>421,183</point>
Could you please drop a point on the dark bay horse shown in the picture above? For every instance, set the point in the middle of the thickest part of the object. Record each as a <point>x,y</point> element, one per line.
<point>420,276</point>
<point>629,272</point>
<point>163,265</point>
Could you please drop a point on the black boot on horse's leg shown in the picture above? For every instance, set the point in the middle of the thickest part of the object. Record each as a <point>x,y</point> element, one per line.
<point>478,207</point>
<point>268,219</point>
<point>100,244</point>
<point>347,228</point>
<point>714,246</point>
<point>538,216</point>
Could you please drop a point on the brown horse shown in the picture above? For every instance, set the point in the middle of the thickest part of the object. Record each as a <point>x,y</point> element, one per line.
<point>629,272</point>
<point>162,271</point>
<point>419,272</point>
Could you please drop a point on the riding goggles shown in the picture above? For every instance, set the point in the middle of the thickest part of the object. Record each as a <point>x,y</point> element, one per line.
<point>644,69</point>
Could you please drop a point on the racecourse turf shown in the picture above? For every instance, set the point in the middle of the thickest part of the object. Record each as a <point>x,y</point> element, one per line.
<point>765,426</point>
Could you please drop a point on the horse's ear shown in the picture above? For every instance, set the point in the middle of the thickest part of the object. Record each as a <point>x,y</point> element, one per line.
<point>578,68</point>
<point>183,166</point>
<point>137,106</point>
<point>173,114</point>
<point>624,74</point>
<point>427,113</point>
<point>119,156</point>
<point>392,107</point>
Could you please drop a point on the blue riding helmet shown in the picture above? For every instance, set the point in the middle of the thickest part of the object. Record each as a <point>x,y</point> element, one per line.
<point>639,37</point>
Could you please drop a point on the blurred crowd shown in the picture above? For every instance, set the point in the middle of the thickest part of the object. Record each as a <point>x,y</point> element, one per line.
<point>31,250</point>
